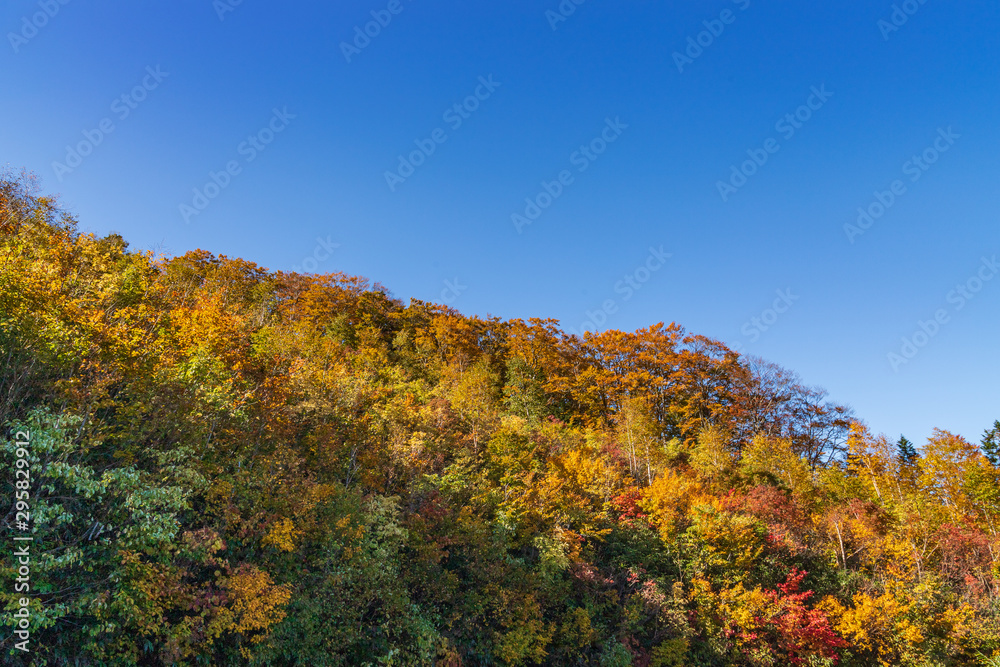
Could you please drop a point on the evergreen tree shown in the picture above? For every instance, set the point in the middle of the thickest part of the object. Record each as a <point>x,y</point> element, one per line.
<point>906,451</point>
<point>991,444</point>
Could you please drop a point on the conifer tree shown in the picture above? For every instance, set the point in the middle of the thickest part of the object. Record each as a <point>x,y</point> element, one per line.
<point>991,444</point>
<point>906,451</point>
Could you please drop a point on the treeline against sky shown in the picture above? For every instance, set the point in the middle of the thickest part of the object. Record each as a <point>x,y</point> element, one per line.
<point>234,466</point>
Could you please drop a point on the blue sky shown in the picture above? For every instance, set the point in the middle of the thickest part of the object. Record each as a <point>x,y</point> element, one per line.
<point>621,123</point>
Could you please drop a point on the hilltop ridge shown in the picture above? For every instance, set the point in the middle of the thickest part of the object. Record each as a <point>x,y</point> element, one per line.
<point>232,465</point>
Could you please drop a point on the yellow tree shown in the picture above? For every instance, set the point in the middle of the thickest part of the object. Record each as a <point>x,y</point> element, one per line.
<point>872,459</point>
<point>944,462</point>
<point>637,434</point>
<point>711,456</point>
<point>776,458</point>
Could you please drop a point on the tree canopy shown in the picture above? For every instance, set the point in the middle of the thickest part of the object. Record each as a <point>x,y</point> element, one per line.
<point>232,465</point>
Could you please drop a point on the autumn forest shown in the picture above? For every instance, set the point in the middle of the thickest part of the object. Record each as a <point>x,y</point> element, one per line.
<point>236,466</point>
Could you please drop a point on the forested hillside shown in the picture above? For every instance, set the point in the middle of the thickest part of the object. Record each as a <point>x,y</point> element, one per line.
<point>231,465</point>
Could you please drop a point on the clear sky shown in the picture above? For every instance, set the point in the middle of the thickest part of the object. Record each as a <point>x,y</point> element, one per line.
<point>739,138</point>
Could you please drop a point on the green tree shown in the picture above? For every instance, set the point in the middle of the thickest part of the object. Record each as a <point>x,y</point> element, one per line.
<point>906,452</point>
<point>991,444</point>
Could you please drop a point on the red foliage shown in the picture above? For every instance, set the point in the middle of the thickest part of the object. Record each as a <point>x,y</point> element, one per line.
<point>967,559</point>
<point>787,524</point>
<point>627,505</point>
<point>801,631</point>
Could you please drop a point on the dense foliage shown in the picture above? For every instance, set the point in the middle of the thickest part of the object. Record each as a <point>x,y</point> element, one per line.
<point>238,466</point>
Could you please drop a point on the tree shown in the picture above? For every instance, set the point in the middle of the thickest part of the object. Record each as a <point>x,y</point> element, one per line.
<point>712,455</point>
<point>777,403</point>
<point>637,433</point>
<point>943,463</point>
<point>231,465</point>
<point>991,444</point>
<point>776,460</point>
<point>906,452</point>
<point>523,392</point>
<point>872,459</point>
<point>907,466</point>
